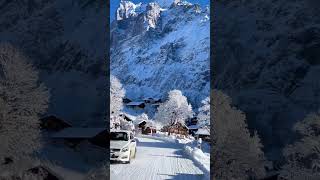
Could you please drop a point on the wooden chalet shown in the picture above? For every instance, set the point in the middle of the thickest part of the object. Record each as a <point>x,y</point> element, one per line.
<point>73,136</point>
<point>177,128</point>
<point>151,100</point>
<point>52,123</point>
<point>126,100</point>
<point>128,117</point>
<point>145,127</point>
<point>193,129</point>
<point>141,124</point>
<point>136,105</point>
<point>203,133</point>
<point>149,130</point>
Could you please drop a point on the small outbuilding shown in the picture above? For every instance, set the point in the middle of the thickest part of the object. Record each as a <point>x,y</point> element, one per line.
<point>193,129</point>
<point>52,123</point>
<point>203,133</point>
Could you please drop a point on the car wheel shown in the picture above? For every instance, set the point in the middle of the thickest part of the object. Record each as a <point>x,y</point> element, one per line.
<point>135,152</point>
<point>128,162</point>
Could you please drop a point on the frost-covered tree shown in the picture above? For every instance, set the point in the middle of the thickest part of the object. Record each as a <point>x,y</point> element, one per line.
<point>117,93</point>
<point>204,113</point>
<point>175,109</point>
<point>142,117</point>
<point>236,153</point>
<point>303,157</point>
<point>22,100</point>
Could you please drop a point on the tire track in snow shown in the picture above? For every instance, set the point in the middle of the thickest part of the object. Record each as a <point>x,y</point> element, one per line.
<point>157,160</point>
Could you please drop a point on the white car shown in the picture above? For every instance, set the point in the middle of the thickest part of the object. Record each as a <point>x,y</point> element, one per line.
<point>123,146</point>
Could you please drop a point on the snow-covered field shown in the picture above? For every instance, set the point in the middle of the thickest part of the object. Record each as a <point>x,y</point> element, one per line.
<point>158,159</point>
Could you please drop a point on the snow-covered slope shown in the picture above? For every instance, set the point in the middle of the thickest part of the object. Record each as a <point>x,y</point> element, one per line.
<point>267,59</point>
<point>65,40</point>
<point>157,49</point>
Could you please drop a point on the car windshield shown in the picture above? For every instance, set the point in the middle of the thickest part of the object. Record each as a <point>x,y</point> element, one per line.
<point>119,136</point>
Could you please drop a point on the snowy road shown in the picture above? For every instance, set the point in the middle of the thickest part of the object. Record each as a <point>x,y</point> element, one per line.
<point>157,160</point>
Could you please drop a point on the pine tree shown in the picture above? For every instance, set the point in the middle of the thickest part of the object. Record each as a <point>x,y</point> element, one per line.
<point>236,154</point>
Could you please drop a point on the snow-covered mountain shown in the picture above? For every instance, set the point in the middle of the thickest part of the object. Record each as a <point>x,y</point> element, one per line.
<point>163,3</point>
<point>66,42</point>
<point>156,48</point>
<point>267,59</point>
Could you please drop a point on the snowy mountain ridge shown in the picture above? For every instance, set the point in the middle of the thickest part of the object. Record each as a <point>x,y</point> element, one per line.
<point>158,49</point>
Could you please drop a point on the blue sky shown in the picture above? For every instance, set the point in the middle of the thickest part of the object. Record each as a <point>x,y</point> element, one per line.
<point>115,3</point>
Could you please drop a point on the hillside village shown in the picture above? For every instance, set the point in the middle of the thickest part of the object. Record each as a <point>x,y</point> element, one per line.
<point>138,116</point>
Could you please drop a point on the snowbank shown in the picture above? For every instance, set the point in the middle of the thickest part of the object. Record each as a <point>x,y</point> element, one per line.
<point>201,157</point>
<point>198,156</point>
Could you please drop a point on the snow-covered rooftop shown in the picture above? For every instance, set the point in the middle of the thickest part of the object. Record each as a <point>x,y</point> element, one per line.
<point>193,127</point>
<point>151,98</point>
<point>203,131</point>
<point>78,132</point>
<point>138,122</point>
<point>133,118</point>
<point>137,103</point>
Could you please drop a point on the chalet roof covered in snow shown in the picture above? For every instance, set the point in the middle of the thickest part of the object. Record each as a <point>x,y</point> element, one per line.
<point>151,98</point>
<point>203,131</point>
<point>155,104</point>
<point>54,118</point>
<point>78,132</point>
<point>193,127</point>
<point>131,117</point>
<point>139,122</point>
<point>137,103</point>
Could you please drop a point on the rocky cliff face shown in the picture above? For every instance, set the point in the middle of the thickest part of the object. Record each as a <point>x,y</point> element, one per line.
<point>160,48</point>
<point>267,59</point>
<point>64,40</point>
